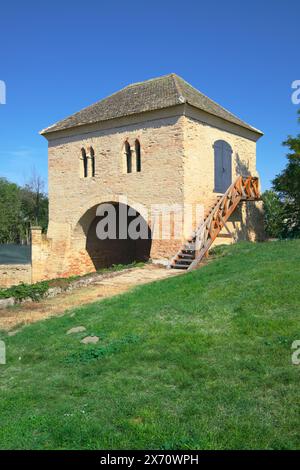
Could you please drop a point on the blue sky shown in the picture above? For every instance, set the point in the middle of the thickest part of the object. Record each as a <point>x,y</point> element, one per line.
<point>59,56</point>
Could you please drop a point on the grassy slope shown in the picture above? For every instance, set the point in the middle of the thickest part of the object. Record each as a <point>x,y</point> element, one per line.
<point>199,361</point>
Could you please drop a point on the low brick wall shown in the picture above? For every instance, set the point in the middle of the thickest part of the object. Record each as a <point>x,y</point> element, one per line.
<point>14,274</point>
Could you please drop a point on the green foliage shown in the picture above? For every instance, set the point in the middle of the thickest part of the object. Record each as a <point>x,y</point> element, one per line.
<point>287,186</point>
<point>274,214</point>
<point>34,208</point>
<point>20,208</point>
<point>10,212</point>
<point>24,291</point>
<point>99,352</point>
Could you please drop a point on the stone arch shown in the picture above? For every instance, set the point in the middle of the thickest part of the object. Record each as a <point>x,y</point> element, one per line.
<point>114,249</point>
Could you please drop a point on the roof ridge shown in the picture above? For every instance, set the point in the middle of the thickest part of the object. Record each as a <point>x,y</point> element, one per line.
<point>148,80</point>
<point>178,87</point>
<point>213,101</point>
<point>149,95</point>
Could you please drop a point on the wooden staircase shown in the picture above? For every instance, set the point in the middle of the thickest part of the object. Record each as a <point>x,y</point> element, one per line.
<point>197,245</point>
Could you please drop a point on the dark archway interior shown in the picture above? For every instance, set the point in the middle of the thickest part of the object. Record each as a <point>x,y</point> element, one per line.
<point>105,253</point>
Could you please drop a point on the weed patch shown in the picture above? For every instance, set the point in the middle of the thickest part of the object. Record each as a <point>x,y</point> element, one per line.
<point>100,352</point>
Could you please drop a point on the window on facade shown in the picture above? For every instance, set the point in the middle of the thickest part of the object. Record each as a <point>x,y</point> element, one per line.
<point>138,155</point>
<point>128,156</point>
<point>84,163</point>
<point>92,156</point>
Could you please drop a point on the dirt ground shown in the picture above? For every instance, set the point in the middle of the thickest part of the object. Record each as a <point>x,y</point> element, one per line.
<point>105,286</point>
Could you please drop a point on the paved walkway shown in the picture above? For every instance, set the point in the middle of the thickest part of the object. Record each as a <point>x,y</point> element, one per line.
<point>105,286</point>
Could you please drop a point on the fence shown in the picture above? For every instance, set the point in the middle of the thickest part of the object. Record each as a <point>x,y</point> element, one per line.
<point>15,254</point>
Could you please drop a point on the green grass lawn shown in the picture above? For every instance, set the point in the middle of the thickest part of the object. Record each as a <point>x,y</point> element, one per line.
<point>200,361</point>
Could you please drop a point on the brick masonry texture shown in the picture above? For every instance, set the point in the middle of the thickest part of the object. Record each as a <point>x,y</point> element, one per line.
<point>177,168</point>
<point>14,274</point>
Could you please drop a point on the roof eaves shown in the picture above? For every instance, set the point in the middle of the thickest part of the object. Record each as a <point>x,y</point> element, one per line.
<point>241,124</point>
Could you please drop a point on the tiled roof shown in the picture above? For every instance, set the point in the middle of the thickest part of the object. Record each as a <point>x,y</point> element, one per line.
<point>157,93</point>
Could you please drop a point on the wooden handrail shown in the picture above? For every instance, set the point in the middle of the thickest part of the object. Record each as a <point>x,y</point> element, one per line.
<point>243,188</point>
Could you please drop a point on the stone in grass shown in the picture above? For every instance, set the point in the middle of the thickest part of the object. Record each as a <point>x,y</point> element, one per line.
<point>90,340</point>
<point>4,303</point>
<point>13,332</point>
<point>76,329</point>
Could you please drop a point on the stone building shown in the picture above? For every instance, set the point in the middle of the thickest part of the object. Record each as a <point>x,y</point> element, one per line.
<point>158,143</point>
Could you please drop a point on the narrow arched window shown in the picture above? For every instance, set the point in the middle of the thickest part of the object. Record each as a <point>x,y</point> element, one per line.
<point>84,163</point>
<point>138,155</point>
<point>128,156</point>
<point>92,156</point>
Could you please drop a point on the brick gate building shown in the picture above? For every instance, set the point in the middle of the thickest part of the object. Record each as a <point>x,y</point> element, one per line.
<point>159,142</point>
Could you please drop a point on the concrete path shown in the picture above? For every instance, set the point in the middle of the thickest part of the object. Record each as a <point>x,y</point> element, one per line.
<point>105,286</point>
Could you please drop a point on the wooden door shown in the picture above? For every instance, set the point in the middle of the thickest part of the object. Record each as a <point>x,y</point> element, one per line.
<point>223,166</point>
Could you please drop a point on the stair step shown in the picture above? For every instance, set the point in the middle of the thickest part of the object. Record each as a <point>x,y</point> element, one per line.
<point>184,261</point>
<point>179,266</point>
<point>188,252</point>
<point>186,256</point>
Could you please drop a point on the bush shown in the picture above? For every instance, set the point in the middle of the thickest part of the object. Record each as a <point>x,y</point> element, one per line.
<point>24,291</point>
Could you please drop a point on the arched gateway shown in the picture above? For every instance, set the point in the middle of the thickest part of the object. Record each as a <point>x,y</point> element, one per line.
<point>115,233</point>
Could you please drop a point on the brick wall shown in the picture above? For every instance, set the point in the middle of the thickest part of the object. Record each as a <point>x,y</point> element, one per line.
<point>199,138</point>
<point>14,274</point>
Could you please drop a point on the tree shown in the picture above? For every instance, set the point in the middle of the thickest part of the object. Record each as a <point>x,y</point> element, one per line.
<point>20,208</point>
<point>10,212</point>
<point>34,203</point>
<point>274,214</point>
<point>287,186</point>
